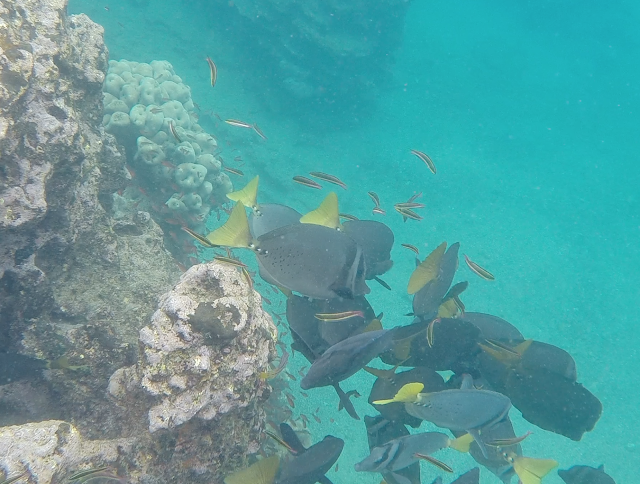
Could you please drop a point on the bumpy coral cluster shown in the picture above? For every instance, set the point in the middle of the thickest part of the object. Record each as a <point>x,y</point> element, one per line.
<point>150,110</point>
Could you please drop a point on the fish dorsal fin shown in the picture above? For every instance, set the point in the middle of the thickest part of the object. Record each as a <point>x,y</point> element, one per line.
<point>287,292</point>
<point>427,270</point>
<point>291,438</point>
<point>327,214</point>
<point>235,232</point>
<point>462,443</point>
<point>531,471</point>
<point>262,472</point>
<point>374,325</point>
<point>407,394</point>
<point>248,195</point>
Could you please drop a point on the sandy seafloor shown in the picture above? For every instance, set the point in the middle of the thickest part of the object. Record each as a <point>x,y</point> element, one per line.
<point>531,116</point>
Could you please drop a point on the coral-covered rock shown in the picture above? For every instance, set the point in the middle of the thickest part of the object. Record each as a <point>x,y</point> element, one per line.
<point>75,277</point>
<point>203,350</point>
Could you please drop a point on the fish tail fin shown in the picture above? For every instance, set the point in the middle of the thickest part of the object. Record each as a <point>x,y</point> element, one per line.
<point>345,402</point>
<point>374,325</point>
<point>247,195</point>
<point>235,232</point>
<point>531,471</point>
<point>427,270</point>
<point>407,394</point>
<point>523,347</point>
<point>326,214</point>
<point>462,443</point>
<point>447,309</point>
<point>262,472</point>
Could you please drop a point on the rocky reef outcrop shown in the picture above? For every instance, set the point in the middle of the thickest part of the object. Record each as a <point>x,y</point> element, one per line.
<point>327,54</point>
<point>81,273</point>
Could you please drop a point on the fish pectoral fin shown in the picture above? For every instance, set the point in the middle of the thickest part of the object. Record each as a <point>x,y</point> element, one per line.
<point>475,433</point>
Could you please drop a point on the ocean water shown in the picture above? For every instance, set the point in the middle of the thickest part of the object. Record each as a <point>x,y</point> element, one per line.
<point>530,111</point>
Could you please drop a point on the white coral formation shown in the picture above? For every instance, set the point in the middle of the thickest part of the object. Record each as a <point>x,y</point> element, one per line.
<point>150,102</point>
<point>43,450</point>
<point>192,374</point>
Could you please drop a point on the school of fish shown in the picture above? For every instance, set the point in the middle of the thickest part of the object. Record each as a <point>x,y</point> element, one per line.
<point>324,266</point>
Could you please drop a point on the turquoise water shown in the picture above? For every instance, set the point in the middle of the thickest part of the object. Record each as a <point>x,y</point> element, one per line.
<point>530,112</point>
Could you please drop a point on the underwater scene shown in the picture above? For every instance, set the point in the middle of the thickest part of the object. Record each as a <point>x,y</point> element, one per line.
<point>337,241</point>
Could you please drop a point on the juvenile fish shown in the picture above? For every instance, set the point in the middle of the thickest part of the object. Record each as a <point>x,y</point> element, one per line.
<point>213,70</point>
<point>339,316</point>
<point>374,196</point>
<point>424,157</point>
<point>172,128</point>
<point>239,124</point>
<point>485,274</point>
<point>348,216</point>
<point>302,180</point>
<point>328,178</point>
<point>230,261</point>
<point>259,131</point>
<point>408,213</point>
<point>412,248</point>
<point>235,171</point>
<point>379,211</point>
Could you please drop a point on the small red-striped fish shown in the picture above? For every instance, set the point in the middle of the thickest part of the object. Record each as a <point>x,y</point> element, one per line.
<point>239,124</point>
<point>235,171</point>
<point>424,157</point>
<point>485,274</point>
<point>259,131</point>
<point>303,180</point>
<point>412,248</point>
<point>214,71</point>
<point>328,178</point>
<point>374,196</point>
<point>339,316</point>
<point>379,210</point>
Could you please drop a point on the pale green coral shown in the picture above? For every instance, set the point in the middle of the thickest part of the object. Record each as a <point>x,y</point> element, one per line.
<point>152,103</point>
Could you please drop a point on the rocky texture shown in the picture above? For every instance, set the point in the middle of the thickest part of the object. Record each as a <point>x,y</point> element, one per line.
<point>73,279</point>
<point>202,374</point>
<point>327,53</point>
<point>53,448</point>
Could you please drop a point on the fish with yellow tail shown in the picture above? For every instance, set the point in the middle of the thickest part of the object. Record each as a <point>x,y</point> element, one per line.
<point>530,470</point>
<point>313,260</point>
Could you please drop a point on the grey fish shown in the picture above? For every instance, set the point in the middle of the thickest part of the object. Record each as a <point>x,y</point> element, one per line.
<point>379,432</point>
<point>399,453</point>
<point>313,260</point>
<point>346,358</point>
<point>301,312</point>
<point>493,327</point>
<point>396,412</point>
<point>311,465</point>
<point>428,299</point>
<point>548,357</point>
<point>585,475</point>
<point>464,409</point>
<point>271,216</point>
<point>470,477</point>
<point>376,240</point>
<point>495,460</point>
<point>552,402</point>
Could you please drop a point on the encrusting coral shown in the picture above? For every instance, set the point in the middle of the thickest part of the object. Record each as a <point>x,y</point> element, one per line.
<point>150,111</point>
